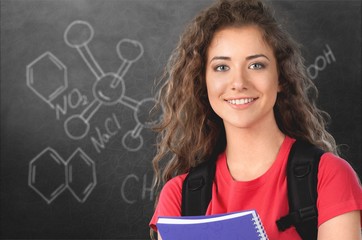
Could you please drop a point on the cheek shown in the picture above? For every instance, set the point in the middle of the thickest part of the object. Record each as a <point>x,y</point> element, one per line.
<point>215,97</point>
<point>272,85</point>
<point>209,85</point>
<point>213,93</point>
<point>273,92</point>
<point>215,86</point>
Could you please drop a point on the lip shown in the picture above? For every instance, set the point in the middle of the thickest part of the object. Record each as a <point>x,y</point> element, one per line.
<point>240,102</point>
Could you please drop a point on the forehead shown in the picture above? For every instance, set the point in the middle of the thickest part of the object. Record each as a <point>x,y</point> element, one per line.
<point>239,39</point>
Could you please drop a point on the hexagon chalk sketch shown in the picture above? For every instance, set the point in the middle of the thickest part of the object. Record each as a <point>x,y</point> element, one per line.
<point>81,175</point>
<point>47,174</point>
<point>50,175</point>
<point>47,77</point>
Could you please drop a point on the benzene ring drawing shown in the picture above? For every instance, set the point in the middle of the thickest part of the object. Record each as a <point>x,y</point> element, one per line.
<point>50,175</point>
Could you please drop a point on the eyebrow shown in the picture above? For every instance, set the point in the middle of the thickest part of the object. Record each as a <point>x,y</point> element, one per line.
<point>256,56</point>
<point>220,58</point>
<point>247,58</point>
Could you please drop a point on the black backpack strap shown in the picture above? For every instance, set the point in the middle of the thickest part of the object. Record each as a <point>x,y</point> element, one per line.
<point>302,178</point>
<point>197,189</point>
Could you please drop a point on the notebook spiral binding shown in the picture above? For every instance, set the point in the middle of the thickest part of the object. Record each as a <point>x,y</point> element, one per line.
<point>259,228</point>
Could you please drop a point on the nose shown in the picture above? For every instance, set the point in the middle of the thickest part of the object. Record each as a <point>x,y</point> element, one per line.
<point>239,81</point>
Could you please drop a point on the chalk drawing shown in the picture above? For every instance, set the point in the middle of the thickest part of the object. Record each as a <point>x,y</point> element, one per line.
<point>39,80</point>
<point>133,181</point>
<point>321,62</point>
<point>109,88</point>
<point>49,174</point>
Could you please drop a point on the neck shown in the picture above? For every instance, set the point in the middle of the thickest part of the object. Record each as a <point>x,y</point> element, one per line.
<point>251,152</point>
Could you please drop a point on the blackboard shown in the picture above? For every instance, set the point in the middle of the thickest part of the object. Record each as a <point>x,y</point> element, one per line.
<point>75,154</point>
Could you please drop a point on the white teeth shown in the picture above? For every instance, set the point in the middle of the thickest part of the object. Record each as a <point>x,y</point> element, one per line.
<point>240,101</point>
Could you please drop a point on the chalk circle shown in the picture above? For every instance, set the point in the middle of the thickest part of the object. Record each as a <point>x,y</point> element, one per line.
<point>109,89</point>
<point>132,143</point>
<point>144,113</point>
<point>129,50</point>
<point>78,34</point>
<point>76,127</point>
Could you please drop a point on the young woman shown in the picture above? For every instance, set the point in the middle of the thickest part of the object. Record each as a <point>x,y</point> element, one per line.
<point>236,82</point>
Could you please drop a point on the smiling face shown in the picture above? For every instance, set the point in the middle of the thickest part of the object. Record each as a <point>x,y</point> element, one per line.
<point>242,77</point>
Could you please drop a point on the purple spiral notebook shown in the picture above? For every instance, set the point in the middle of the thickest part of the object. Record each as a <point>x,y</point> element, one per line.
<point>244,225</point>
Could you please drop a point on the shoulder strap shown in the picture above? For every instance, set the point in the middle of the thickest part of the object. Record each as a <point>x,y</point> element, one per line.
<point>302,177</point>
<point>197,189</point>
<point>197,186</point>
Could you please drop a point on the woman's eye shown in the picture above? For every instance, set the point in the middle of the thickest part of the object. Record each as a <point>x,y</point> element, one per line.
<point>221,68</point>
<point>256,66</point>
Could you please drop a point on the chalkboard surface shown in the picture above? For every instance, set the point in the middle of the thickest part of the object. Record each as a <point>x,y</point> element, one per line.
<point>76,154</point>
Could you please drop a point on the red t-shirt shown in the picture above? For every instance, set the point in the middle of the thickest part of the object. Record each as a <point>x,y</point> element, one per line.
<point>339,191</point>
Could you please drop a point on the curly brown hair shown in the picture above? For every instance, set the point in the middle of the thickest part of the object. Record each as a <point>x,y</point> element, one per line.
<point>190,131</point>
